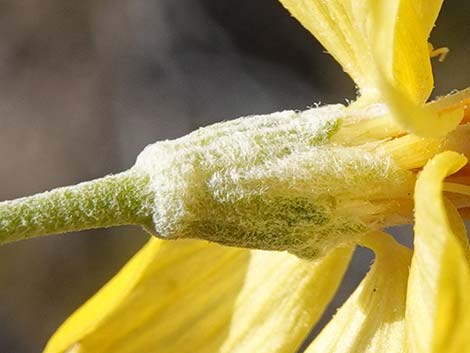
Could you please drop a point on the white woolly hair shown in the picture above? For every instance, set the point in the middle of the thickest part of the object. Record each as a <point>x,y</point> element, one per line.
<point>270,182</point>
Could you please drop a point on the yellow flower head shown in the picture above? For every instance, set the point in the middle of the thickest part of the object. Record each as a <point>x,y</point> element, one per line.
<point>314,183</point>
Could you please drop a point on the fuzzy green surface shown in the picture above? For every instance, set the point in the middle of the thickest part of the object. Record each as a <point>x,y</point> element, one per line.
<point>109,201</point>
<point>270,182</point>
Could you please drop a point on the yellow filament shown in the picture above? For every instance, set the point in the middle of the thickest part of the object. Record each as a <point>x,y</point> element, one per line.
<point>440,53</point>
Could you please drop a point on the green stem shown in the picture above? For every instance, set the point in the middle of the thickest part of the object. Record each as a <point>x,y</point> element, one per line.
<point>110,201</point>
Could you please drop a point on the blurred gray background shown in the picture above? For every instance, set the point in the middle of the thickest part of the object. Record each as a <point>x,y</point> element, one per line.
<point>86,85</point>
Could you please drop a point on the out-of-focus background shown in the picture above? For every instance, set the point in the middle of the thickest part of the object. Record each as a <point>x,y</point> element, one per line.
<point>86,85</point>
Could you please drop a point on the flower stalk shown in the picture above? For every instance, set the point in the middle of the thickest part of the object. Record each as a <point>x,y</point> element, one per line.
<point>110,201</point>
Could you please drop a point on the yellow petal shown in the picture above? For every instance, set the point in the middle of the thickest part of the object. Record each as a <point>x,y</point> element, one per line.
<point>191,296</point>
<point>364,34</point>
<point>439,282</point>
<point>338,26</point>
<point>372,319</point>
<point>405,26</point>
<point>421,119</point>
<point>383,46</point>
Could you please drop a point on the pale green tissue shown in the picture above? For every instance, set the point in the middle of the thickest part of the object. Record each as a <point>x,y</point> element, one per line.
<point>271,182</point>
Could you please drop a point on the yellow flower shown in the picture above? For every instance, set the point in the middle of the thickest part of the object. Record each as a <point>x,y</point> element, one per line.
<point>193,296</point>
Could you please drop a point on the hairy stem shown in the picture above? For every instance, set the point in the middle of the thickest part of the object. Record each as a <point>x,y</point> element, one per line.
<point>110,201</point>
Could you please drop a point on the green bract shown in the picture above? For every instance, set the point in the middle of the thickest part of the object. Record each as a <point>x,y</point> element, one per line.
<point>272,182</point>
